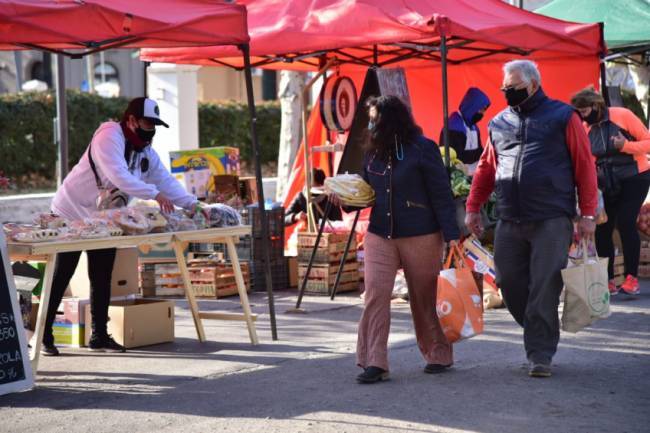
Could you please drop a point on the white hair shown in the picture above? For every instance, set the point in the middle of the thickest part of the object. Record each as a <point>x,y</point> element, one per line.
<point>527,68</point>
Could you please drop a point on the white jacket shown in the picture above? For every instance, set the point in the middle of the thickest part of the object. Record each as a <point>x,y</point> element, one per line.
<point>77,197</point>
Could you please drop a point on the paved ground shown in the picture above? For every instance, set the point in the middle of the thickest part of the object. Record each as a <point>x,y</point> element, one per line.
<point>305,381</point>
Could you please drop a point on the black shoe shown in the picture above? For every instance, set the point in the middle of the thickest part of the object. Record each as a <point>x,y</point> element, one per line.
<point>49,350</point>
<point>105,344</point>
<point>372,375</point>
<point>436,368</point>
<point>539,370</point>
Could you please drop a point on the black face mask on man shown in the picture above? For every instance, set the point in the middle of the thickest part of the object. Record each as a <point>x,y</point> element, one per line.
<point>145,135</point>
<point>515,97</point>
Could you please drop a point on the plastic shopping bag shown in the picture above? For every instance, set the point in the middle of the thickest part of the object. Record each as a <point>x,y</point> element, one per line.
<point>458,302</point>
<point>586,296</point>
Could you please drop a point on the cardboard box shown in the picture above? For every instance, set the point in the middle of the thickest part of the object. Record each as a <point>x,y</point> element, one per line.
<point>248,190</point>
<point>195,168</point>
<point>139,322</point>
<point>69,323</point>
<point>69,335</point>
<point>226,186</point>
<point>293,271</point>
<point>124,281</point>
<point>481,260</point>
<point>73,310</point>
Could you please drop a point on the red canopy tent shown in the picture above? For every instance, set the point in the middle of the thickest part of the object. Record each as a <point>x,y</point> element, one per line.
<point>466,39</point>
<point>76,28</point>
<point>299,34</point>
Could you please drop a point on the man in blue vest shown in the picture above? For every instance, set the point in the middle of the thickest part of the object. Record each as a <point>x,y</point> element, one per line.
<point>537,155</point>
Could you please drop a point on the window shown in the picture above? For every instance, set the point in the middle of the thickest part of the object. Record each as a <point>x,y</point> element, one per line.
<point>106,72</point>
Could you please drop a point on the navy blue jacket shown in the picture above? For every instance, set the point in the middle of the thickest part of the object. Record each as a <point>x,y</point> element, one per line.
<point>473,101</point>
<point>534,178</point>
<point>413,196</point>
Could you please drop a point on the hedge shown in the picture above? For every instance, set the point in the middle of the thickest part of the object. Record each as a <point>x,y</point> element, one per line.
<point>26,130</point>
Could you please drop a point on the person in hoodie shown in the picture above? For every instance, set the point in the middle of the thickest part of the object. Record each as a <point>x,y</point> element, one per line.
<point>464,134</point>
<point>119,157</point>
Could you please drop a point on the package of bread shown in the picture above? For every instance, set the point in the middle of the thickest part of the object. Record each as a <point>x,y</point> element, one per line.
<point>351,189</point>
<point>52,221</point>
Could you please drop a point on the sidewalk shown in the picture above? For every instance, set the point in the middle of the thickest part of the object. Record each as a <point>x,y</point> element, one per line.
<point>305,381</point>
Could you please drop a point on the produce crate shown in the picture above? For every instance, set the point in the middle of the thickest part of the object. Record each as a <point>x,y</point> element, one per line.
<point>213,279</point>
<point>644,260</point>
<point>323,256</point>
<point>322,278</point>
<point>330,248</point>
<point>309,239</point>
<point>619,270</point>
<point>161,279</point>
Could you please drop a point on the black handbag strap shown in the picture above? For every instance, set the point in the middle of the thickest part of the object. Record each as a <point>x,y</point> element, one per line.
<point>127,154</point>
<point>94,169</point>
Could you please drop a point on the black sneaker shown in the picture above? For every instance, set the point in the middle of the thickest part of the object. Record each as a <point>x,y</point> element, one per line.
<point>539,370</point>
<point>436,368</point>
<point>372,375</point>
<point>105,344</point>
<point>49,350</point>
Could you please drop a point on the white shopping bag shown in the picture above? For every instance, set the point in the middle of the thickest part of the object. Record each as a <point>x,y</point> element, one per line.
<point>586,295</point>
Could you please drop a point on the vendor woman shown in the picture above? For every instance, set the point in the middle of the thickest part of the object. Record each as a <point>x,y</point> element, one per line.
<point>118,164</point>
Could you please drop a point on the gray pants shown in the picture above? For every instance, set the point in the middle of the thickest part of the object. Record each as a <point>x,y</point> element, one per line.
<point>529,258</point>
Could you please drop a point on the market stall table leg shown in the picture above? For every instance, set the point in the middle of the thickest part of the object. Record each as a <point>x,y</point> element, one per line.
<point>42,311</point>
<point>189,293</point>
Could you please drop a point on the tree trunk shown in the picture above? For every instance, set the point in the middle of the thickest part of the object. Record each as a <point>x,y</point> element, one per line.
<point>291,85</point>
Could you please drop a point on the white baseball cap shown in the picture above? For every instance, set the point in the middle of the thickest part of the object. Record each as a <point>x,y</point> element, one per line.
<point>146,108</point>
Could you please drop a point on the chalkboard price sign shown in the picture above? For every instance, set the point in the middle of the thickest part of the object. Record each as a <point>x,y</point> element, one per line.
<point>15,368</point>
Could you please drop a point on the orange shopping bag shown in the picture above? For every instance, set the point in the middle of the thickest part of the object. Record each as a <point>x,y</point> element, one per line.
<point>458,302</point>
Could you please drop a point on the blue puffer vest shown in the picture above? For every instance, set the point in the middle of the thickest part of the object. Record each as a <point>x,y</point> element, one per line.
<point>534,179</point>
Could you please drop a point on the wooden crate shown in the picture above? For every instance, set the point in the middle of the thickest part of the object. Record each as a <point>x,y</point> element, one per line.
<point>327,239</point>
<point>323,256</point>
<point>160,278</point>
<point>214,279</point>
<point>644,257</point>
<point>322,277</point>
<point>644,271</point>
<point>330,248</point>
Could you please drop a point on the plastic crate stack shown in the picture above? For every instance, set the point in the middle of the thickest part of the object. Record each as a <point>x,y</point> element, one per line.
<point>250,248</point>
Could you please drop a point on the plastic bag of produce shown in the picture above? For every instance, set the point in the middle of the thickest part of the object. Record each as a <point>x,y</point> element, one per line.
<point>221,215</point>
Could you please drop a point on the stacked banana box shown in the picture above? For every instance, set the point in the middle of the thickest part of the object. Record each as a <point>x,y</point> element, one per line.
<point>326,263</point>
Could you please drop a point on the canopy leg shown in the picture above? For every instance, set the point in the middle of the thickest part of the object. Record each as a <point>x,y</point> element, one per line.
<point>260,189</point>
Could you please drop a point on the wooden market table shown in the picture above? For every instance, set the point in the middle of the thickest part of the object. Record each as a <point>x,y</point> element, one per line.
<point>47,252</point>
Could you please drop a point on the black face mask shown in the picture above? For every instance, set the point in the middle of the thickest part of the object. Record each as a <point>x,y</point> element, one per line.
<point>476,118</point>
<point>516,96</point>
<point>145,135</point>
<point>592,117</point>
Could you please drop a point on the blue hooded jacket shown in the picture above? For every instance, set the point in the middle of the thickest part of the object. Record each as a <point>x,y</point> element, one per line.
<point>473,101</point>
